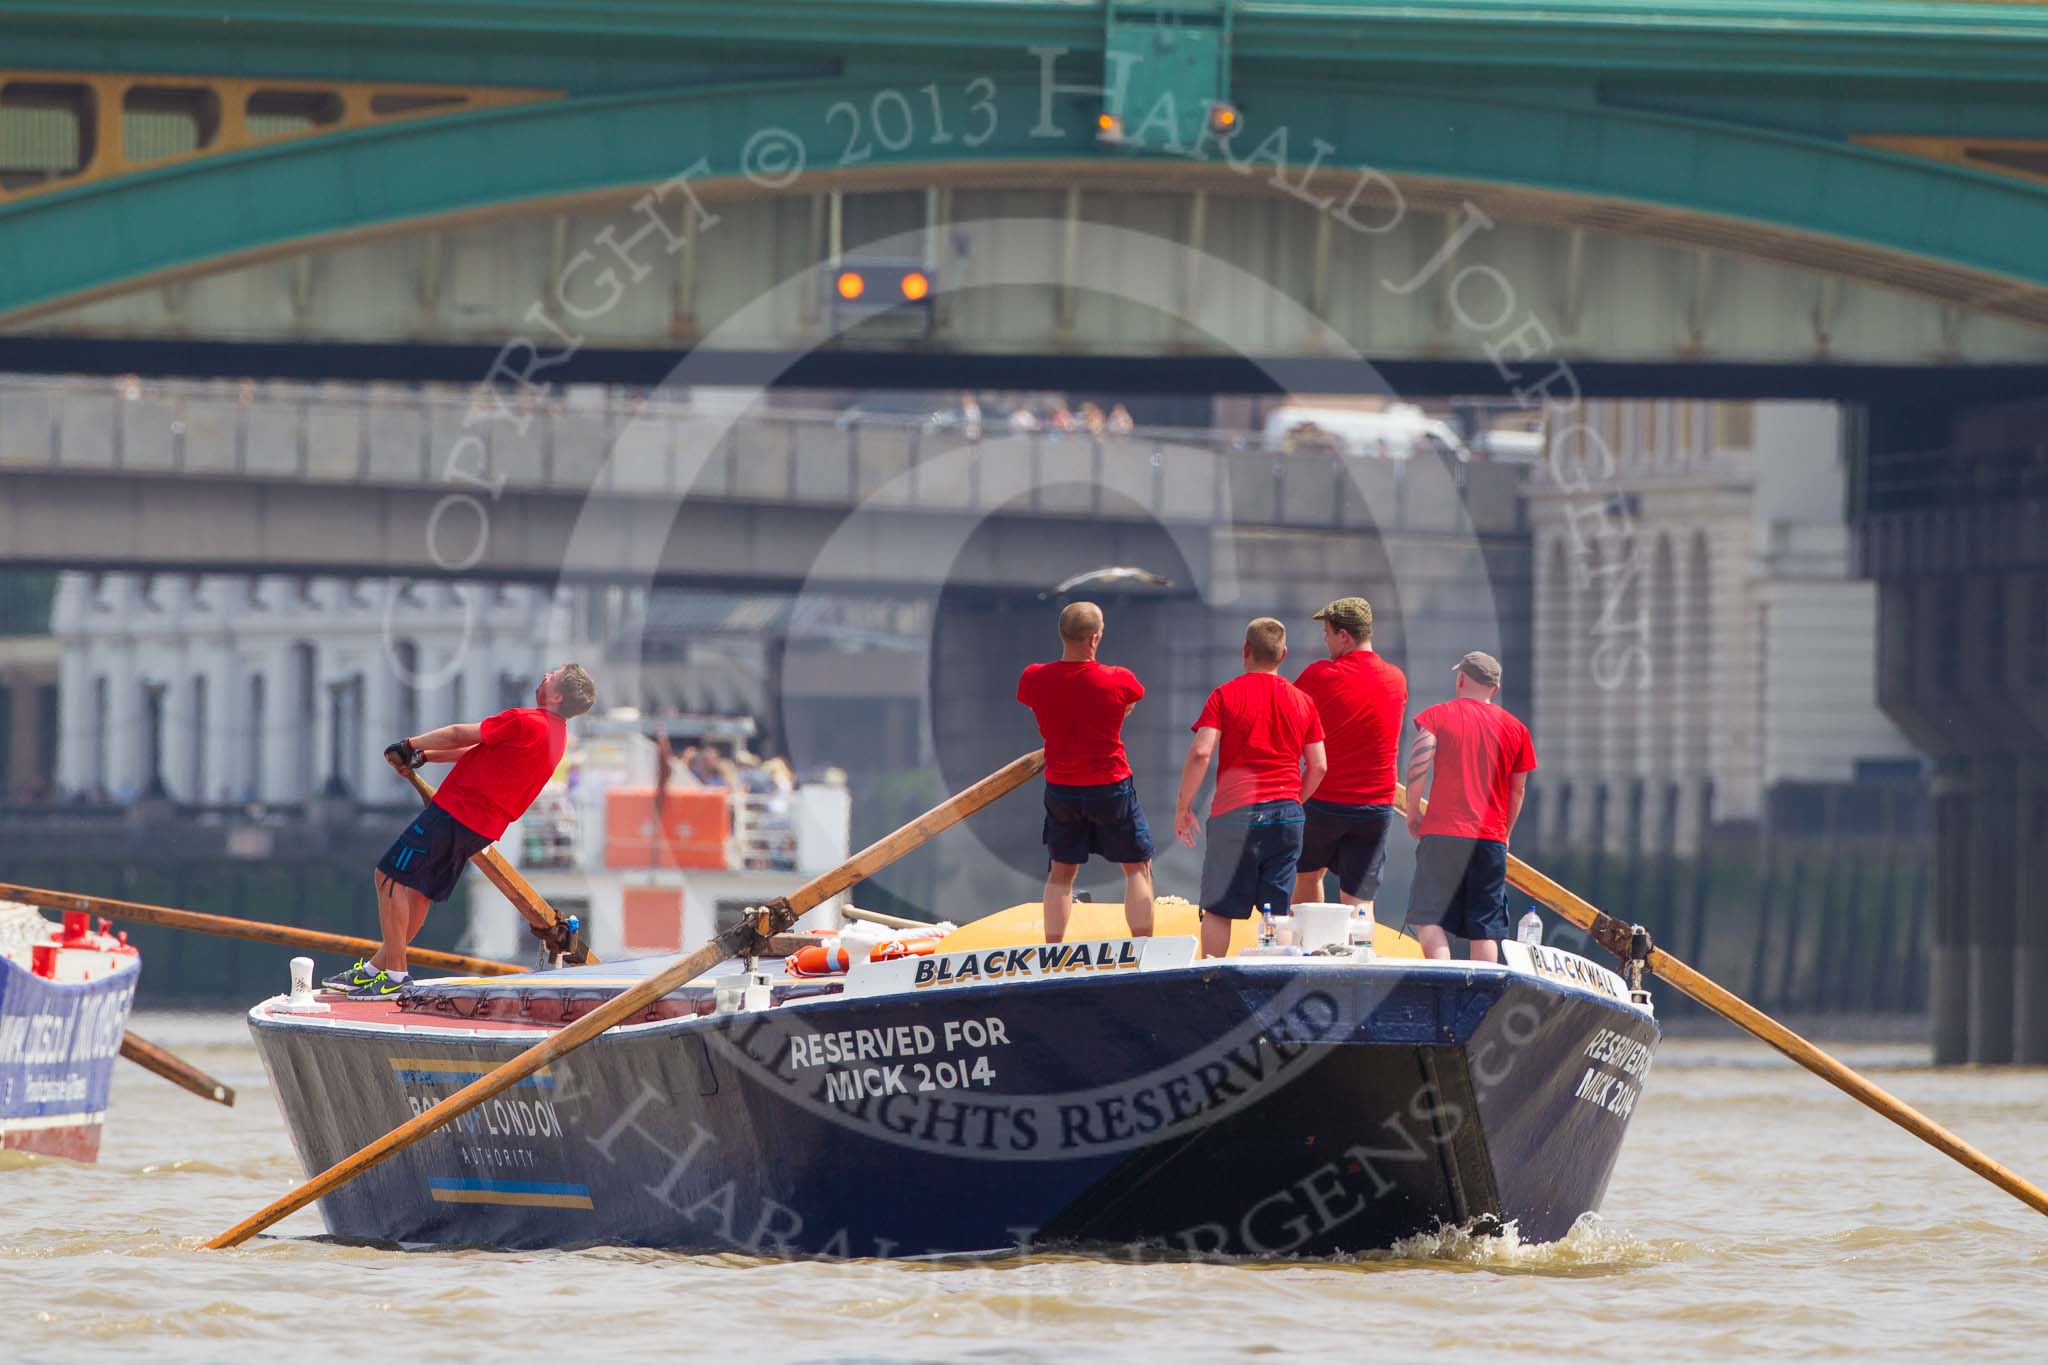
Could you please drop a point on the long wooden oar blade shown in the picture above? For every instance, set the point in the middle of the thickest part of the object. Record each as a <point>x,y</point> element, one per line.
<point>1614,935</point>
<point>175,1069</point>
<point>546,922</point>
<point>742,938</point>
<point>284,935</point>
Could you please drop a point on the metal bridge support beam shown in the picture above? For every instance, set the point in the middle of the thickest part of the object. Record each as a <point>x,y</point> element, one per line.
<point>1993,912</point>
<point>1949,525</point>
<point>2030,955</point>
<point>1948,1000</point>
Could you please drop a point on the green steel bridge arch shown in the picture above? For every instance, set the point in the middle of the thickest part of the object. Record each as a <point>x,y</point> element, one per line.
<point>1709,125</point>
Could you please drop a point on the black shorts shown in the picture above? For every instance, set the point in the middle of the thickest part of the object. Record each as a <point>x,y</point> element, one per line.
<point>1461,884</point>
<point>1350,841</point>
<point>1106,821</point>
<point>430,855</point>
<point>1250,859</point>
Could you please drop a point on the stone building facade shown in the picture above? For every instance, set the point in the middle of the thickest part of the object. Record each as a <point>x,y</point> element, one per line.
<point>1698,636</point>
<point>219,687</point>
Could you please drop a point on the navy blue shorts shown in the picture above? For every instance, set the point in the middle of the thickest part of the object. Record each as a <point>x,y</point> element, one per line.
<point>1348,840</point>
<point>1106,821</point>
<point>1250,859</point>
<point>1461,884</point>
<point>430,855</point>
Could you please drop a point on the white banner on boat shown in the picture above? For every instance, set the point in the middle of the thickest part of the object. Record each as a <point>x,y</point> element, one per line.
<point>1034,962</point>
<point>1554,964</point>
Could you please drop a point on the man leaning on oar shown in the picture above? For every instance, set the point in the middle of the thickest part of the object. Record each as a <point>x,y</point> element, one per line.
<point>501,764</point>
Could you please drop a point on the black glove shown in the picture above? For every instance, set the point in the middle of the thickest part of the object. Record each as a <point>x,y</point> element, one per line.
<point>405,754</point>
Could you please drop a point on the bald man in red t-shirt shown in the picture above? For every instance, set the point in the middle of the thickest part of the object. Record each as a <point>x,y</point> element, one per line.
<point>501,764</point>
<point>1472,760</point>
<point>1091,801</point>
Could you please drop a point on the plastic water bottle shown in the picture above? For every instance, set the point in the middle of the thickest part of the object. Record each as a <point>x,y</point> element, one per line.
<point>1530,930</point>
<point>1266,926</point>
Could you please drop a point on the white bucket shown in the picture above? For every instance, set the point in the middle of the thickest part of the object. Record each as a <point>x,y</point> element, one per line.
<point>1320,924</point>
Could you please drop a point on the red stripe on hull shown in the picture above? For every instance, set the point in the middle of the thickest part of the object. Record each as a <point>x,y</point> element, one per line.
<point>73,1142</point>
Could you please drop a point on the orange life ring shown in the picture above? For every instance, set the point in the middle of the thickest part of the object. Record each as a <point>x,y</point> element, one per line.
<point>830,959</point>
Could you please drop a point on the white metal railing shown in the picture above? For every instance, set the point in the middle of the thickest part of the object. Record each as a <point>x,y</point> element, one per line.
<point>763,831</point>
<point>802,830</point>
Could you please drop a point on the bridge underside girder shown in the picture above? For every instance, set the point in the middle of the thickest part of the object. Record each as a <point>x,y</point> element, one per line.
<point>1529,279</point>
<point>1761,243</point>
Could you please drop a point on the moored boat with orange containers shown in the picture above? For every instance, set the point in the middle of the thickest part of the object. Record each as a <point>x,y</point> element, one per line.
<point>65,993</point>
<point>650,857</point>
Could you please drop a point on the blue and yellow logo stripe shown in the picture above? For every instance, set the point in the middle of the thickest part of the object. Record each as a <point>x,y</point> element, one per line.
<point>453,1071</point>
<point>539,1194</point>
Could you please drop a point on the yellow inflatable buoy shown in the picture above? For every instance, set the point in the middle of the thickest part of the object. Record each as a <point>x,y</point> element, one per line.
<point>1021,924</point>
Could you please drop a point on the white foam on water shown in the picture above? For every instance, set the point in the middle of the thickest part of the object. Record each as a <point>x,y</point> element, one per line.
<point>1592,1245</point>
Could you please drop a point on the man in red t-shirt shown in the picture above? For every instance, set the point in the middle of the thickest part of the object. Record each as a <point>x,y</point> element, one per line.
<point>1091,803</point>
<point>500,766</point>
<point>1480,758</point>
<point>1361,699</point>
<point>1272,759</point>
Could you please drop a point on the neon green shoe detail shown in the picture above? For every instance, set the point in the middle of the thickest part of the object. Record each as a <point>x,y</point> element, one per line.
<point>359,973</point>
<point>376,988</point>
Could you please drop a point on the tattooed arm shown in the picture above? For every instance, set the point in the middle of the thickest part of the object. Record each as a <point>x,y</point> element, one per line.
<point>1421,764</point>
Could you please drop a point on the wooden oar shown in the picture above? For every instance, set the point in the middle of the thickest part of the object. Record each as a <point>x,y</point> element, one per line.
<point>742,938</point>
<point>1616,937</point>
<point>284,935</point>
<point>175,1069</point>
<point>877,917</point>
<point>547,924</point>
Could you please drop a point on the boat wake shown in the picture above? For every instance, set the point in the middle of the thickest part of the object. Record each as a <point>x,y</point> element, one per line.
<point>1592,1247</point>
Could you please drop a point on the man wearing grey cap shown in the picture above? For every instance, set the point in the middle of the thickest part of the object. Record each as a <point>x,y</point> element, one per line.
<point>1472,760</point>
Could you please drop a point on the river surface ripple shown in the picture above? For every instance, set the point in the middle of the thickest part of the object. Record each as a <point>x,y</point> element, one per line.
<point>1755,1211</point>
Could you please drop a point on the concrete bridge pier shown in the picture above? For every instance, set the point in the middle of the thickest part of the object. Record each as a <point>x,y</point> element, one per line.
<point>1988,961</point>
<point>1993,914</point>
<point>1954,527</point>
<point>1948,965</point>
<point>2030,950</point>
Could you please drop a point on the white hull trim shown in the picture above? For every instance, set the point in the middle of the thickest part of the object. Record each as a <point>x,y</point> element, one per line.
<point>37,1122</point>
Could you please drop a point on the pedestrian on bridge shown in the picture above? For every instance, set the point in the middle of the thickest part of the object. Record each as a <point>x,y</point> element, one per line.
<point>1091,800</point>
<point>501,764</point>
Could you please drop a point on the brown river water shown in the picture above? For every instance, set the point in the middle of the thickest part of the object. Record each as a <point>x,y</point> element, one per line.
<point>1755,1211</point>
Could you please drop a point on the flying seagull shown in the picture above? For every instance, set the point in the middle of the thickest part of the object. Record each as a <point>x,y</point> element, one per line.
<point>1119,574</point>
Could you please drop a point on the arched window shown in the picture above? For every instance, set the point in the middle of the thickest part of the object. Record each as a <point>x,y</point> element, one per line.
<point>1663,642</point>
<point>1697,647</point>
<point>1589,726</point>
<point>1553,650</point>
<point>406,662</point>
<point>252,776</point>
<point>99,736</point>
<point>197,737</point>
<point>304,722</point>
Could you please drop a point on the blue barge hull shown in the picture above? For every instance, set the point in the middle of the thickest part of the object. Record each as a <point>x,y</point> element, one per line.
<point>58,1044</point>
<point>1252,1108</point>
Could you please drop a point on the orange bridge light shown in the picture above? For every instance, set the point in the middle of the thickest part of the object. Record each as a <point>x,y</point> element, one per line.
<point>916,286</point>
<point>851,285</point>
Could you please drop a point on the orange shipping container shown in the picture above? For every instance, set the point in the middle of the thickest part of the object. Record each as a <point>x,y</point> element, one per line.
<point>651,919</point>
<point>695,822</point>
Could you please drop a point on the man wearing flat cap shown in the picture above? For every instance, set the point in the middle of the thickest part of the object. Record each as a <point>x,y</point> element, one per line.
<point>1362,699</point>
<point>1472,760</point>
